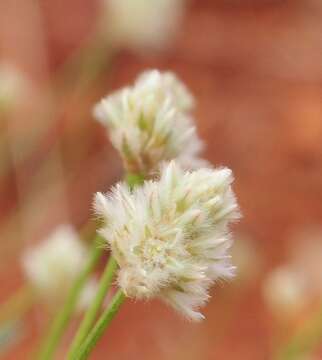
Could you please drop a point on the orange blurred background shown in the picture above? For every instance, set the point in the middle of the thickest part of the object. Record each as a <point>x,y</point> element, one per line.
<point>255,68</point>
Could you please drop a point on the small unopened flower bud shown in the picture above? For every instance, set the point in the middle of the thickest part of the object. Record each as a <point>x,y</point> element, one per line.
<point>170,239</point>
<point>52,266</point>
<point>150,122</point>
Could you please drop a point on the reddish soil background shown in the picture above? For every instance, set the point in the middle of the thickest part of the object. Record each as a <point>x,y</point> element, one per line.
<point>255,69</point>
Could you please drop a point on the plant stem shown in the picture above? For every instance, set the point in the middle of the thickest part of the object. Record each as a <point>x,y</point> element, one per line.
<point>91,313</point>
<point>100,326</point>
<point>304,341</point>
<point>105,283</point>
<point>134,179</point>
<point>61,321</point>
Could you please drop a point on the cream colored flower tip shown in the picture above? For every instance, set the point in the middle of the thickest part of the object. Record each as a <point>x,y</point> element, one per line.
<point>52,265</point>
<point>170,237</point>
<point>141,25</point>
<point>149,123</point>
<point>13,86</point>
<point>167,83</point>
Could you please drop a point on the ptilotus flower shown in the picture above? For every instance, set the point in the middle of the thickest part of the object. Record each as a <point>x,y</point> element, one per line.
<point>170,237</point>
<point>52,266</point>
<point>150,122</point>
<point>141,24</point>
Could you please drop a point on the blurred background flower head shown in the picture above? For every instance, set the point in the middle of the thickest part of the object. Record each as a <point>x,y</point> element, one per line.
<point>52,265</point>
<point>141,25</point>
<point>13,86</point>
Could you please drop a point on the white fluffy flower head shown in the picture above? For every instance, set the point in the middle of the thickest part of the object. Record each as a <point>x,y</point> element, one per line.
<point>52,265</point>
<point>170,237</point>
<point>150,122</point>
<point>141,24</point>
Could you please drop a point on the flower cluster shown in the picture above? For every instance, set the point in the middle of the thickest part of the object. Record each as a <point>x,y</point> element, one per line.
<point>150,122</point>
<point>53,265</point>
<point>170,237</point>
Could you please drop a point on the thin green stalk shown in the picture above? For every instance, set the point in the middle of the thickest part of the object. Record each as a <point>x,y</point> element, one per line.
<point>100,326</point>
<point>303,342</point>
<point>105,283</point>
<point>61,320</point>
<point>93,310</point>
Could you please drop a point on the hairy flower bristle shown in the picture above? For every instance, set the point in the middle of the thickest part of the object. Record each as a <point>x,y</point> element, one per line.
<point>170,237</point>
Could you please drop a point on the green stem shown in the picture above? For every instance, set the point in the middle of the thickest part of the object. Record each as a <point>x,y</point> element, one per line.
<point>93,310</point>
<point>134,180</point>
<point>305,341</point>
<point>100,326</point>
<point>105,283</point>
<point>62,319</point>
